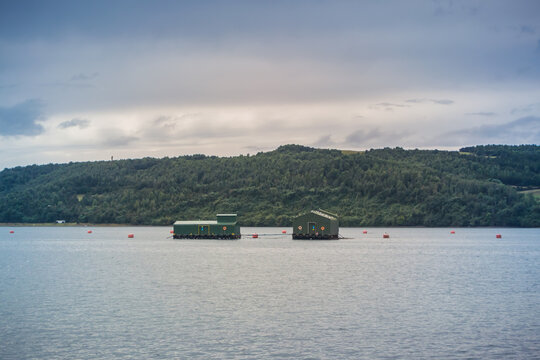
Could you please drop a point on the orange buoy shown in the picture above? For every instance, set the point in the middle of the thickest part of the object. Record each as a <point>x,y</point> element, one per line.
<point>452,232</point>
<point>498,236</point>
<point>131,236</point>
<point>283,231</point>
<point>255,236</point>
<point>364,232</point>
<point>386,236</point>
<point>89,231</point>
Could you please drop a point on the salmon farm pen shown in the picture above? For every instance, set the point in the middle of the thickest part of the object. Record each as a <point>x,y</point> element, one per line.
<point>225,227</point>
<point>316,225</point>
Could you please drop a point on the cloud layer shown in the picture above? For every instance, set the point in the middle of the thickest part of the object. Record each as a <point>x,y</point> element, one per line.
<point>527,129</point>
<point>79,123</point>
<point>135,78</point>
<point>21,119</point>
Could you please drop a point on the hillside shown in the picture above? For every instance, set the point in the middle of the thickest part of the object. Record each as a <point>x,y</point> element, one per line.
<point>477,186</point>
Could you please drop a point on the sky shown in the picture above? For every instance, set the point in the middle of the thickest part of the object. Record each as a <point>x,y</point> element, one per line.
<point>91,80</point>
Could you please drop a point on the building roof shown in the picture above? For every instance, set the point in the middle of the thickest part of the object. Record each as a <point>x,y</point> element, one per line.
<point>196,222</point>
<point>323,214</point>
<point>211,222</point>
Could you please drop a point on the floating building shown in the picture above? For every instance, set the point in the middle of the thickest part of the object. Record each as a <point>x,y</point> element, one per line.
<point>225,227</point>
<point>316,224</point>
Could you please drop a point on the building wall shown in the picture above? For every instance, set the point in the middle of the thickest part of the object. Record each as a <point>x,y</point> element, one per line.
<point>303,225</point>
<point>202,229</point>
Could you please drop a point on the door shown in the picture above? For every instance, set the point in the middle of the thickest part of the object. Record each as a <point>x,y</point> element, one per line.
<point>204,229</point>
<point>312,228</point>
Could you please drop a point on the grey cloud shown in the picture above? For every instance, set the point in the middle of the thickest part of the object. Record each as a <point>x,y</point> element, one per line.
<point>526,29</point>
<point>443,101</point>
<point>324,141</point>
<point>120,140</point>
<point>78,81</point>
<point>444,8</point>
<point>114,137</point>
<point>68,85</point>
<point>525,130</point>
<point>84,77</point>
<point>525,109</point>
<point>163,119</point>
<point>359,137</point>
<point>80,123</point>
<point>255,149</point>
<point>389,106</point>
<point>434,101</point>
<point>8,86</point>
<point>208,129</point>
<point>190,127</point>
<point>21,119</point>
<point>377,137</point>
<point>169,126</point>
<point>481,113</point>
<point>167,123</point>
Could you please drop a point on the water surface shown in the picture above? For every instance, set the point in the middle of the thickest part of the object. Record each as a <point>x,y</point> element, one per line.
<point>422,294</point>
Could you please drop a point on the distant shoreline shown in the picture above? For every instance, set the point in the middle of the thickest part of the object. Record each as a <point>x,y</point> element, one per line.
<point>68,225</point>
<point>278,226</point>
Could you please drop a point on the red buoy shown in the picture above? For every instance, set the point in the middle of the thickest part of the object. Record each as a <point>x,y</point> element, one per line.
<point>255,236</point>
<point>12,232</point>
<point>364,232</point>
<point>131,236</point>
<point>172,231</point>
<point>283,231</point>
<point>386,236</point>
<point>452,232</point>
<point>89,231</point>
<point>498,236</point>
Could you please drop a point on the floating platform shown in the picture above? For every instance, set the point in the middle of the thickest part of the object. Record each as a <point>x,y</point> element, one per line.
<point>316,225</point>
<point>224,228</point>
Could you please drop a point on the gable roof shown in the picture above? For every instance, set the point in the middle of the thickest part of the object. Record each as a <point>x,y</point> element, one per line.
<point>324,214</point>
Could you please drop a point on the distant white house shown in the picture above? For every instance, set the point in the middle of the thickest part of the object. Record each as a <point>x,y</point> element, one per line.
<point>60,221</point>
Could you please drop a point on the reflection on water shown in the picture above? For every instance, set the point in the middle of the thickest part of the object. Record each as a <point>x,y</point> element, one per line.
<point>422,293</point>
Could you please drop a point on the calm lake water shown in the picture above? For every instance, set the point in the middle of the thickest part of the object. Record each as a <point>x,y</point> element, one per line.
<point>422,294</point>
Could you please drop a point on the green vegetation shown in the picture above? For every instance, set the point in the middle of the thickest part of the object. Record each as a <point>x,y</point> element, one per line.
<point>384,187</point>
<point>534,193</point>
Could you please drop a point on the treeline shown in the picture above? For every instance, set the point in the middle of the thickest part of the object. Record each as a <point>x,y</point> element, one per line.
<point>385,187</point>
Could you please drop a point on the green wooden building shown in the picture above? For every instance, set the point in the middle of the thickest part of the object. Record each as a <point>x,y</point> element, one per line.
<point>225,227</point>
<point>316,224</point>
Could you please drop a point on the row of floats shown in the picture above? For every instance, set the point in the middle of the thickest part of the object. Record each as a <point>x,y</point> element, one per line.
<point>256,236</point>
<point>313,225</point>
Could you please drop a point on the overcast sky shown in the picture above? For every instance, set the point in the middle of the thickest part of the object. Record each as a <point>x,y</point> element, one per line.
<point>87,80</point>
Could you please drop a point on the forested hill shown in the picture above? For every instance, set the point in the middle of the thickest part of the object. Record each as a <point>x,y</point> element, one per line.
<point>477,186</point>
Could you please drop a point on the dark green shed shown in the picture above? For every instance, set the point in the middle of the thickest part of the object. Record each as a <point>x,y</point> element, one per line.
<point>225,227</point>
<point>316,224</point>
